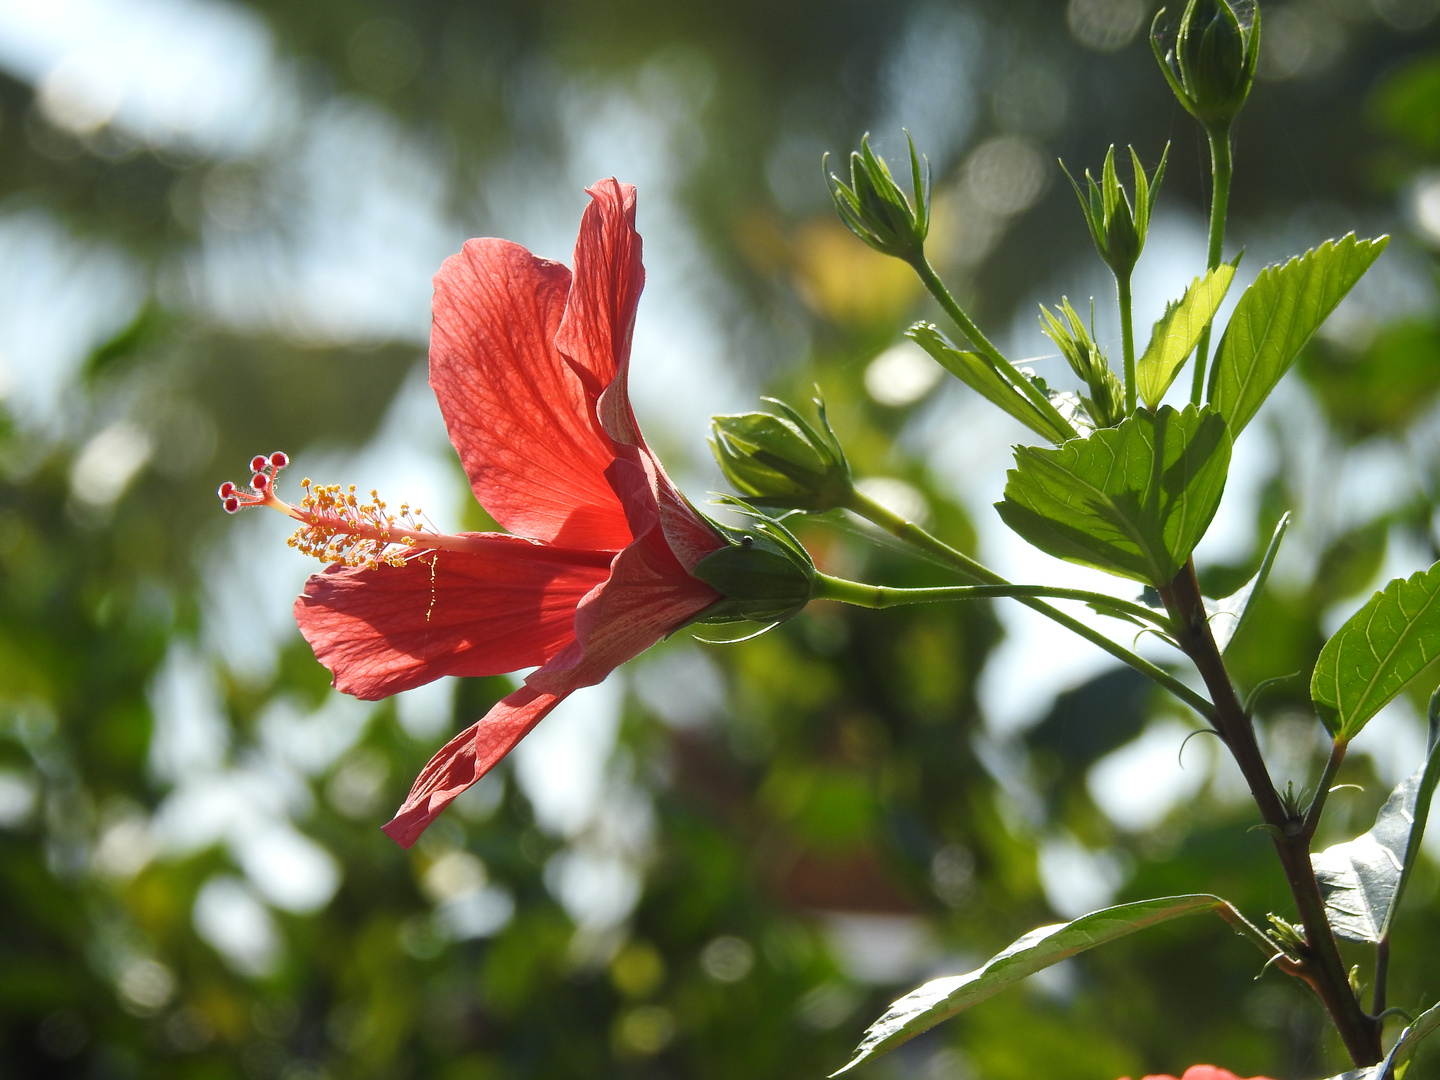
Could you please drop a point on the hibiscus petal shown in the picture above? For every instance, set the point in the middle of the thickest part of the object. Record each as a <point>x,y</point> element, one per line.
<point>650,498</point>
<point>465,759</point>
<point>647,595</point>
<point>509,605</point>
<point>599,317</point>
<point>517,413</point>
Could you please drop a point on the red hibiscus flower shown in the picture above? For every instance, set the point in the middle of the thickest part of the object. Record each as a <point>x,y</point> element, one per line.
<point>1202,1072</point>
<point>529,363</point>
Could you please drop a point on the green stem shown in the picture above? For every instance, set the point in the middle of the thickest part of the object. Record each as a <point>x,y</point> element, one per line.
<point>1127,333</point>
<point>1382,972</point>
<point>989,352</point>
<point>1322,789</point>
<point>912,534</point>
<point>1220,171</point>
<point>879,597</point>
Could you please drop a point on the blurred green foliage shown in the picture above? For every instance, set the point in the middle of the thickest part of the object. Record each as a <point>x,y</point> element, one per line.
<point>843,777</point>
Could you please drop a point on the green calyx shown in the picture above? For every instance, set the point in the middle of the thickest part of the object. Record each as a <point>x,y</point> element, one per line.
<point>763,572</point>
<point>1117,227</point>
<point>782,460</point>
<point>1106,400</point>
<point>1211,63</point>
<point>873,207</point>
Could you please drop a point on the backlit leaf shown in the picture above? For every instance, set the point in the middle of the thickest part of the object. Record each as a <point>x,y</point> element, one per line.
<point>1377,652</point>
<point>1275,318</point>
<point>1132,500</point>
<point>1229,614</point>
<point>1175,335</point>
<point>941,999</point>
<point>1362,879</point>
<point>971,369</point>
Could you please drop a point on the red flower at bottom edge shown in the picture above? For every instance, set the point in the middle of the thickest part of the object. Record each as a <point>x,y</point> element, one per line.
<point>529,364</point>
<point>1202,1072</point>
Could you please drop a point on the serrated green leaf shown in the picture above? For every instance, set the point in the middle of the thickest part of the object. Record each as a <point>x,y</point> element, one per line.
<point>1227,616</point>
<point>941,999</point>
<point>973,370</point>
<point>1178,330</point>
<point>1377,652</point>
<point>1133,500</point>
<point>1363,879</point>
<point>1403,1050</point>
<point>1276,316</point>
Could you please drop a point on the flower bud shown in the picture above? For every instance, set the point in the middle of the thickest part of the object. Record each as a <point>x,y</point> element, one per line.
<point>1211,64</point>
<point>764,573</point>
<point>1106,401</point>
<point>875,209</point>
<point>782,461</point>
<point>1118,229</point>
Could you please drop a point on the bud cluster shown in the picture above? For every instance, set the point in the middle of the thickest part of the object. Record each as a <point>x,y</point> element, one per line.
<point>875,209</point>
<point>764,573</point>
<point>1211,63</point>
<point>1106,400</point>
<point>1117,228</point>
<point>782,461</point>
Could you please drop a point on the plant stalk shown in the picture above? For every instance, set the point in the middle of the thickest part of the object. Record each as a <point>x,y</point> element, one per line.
<point>1127,334</point>
<point>1322,788</point>
<point>912,534</point>
<point>1321,966</point>
<point>988,351</point>
<point>1382,972</point>
<point>1221,168</point>
<point>879,597</point>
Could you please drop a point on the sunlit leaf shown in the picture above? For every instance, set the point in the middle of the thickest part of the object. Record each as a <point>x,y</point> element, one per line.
<point>1132,500</point>
<point>1275,318</point>
<point>971,369</point>
<point>941,999</point>
<point>1229,614</point>
<point>1362,879</point>
<point>1377,652</point>
<point>1175,335</point>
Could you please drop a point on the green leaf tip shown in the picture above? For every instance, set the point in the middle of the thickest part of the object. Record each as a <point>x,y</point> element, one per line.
<point>1378,651</point>
<point>940,999</point>
<point>1276,316</point>
<point>1178,331</point>
<point>982,376</point>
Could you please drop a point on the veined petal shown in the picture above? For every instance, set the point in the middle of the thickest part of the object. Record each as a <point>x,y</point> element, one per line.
<point>510,605</point>
<point>649,497</point>
<point>647,595</point>
<point>465,759</point>
<point>523,424</point>
<point>599,320</point>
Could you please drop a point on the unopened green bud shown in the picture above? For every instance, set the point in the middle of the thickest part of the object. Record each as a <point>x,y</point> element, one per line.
<point>782,460</point>
<point>874,208</point>
<point>1211,64</point>
<point>1106,400</point>
<point>764,573</point>
<point>1117,227</point>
